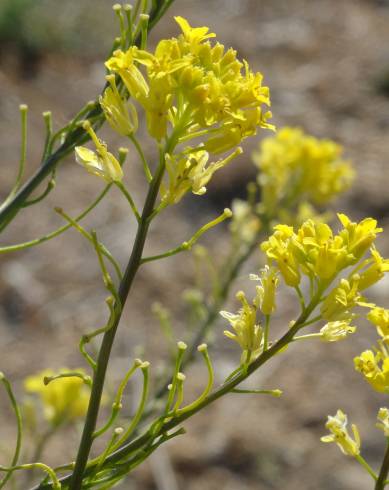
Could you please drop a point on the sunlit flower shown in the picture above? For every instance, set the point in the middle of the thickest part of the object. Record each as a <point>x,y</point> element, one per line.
<point>101,163</point>
<point>337,425</point>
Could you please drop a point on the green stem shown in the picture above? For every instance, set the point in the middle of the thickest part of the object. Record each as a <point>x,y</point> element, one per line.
<point>55,233</point>
<point>30,466</point>
<point>266,332</point>
<point>16,409</point>
<point>49,187</point>
<point>146,168</point>
<point>383,474</point>
<point>308,336</point>
<point>139,411</point>
<point>109,336</point>
<point>189,244</point>
<point>129,198</point>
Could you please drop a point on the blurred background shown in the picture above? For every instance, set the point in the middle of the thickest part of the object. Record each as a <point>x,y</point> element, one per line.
<point>327,65</point>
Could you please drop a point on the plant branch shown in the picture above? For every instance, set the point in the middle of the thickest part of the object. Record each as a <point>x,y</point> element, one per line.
<point>383,474</point>
<point>147,437</point>
<point>74,137</point>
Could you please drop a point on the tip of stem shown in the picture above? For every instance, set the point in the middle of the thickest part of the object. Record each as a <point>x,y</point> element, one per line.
<point>202,347</point>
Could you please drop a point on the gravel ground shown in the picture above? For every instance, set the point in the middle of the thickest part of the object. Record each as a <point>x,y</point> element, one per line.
<point>327,63</point>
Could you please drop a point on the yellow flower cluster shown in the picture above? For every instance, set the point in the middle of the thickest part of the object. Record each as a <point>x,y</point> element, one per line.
<point>317,253</point>
<point>292,164</point>
<point>64,399</point>
<point>337,425</point>
<point>196,87</point>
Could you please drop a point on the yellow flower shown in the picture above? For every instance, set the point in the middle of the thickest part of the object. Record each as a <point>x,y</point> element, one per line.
<point>120,113</point>
<point>380,318</point>
<point>338,330</point>
<point>124,64</point>
<point>63,399</point>
<point>342,299</point>
<point>377,266</point>
<point>358,237</point>
<point>375,369</point>
<point>337,425</point>
<point>266,292</point>
<point>279,248</point>
<point>102,163</point>
<point>193,35</point>
<point>197,87</point>
<point>190,172</point>
<point>320,253</point>
<point>383,420</point>
<point>296,167</point>
<point>315,251</point>
<point>247,333</point>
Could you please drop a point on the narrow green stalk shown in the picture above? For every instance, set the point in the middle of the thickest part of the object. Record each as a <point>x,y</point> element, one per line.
<point>49,187</point>
<point>58,231</point>
<point>129,198</point>
<point>383,474</point>
<point>71,374</point>
<point>204,351</point>
<point>107,450</point>
<point>276,393</point>
<point>89,237</point>
<point>313,320</point>
<point>189,244</point>
<point>308,336</point>
<point>30,466</point>
<point>145,165</point>
<point>365,465</point>
<point>139,412</point>
<point>301,297</point>
<point>49,132</point>
<point>128,12</point>
<point>266,332</point>
<point>18,415</point>
<point>23,154</point>
<point>117,404</point>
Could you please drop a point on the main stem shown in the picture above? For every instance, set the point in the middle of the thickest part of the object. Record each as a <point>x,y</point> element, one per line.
<point>380,483</point>
<point>109,336</point>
